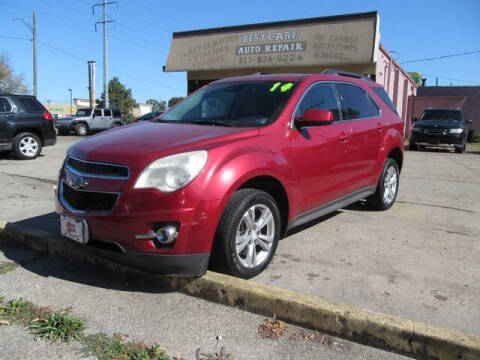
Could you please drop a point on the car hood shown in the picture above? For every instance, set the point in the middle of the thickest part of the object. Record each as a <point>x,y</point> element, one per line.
<point>444,124</point>
<point>139,144</point>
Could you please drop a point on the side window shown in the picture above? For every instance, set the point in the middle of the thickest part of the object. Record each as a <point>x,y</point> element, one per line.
<point>384,96</point>
<point>107,112</point>
<point>375,109</point>
<point>354,102</point>
<point>321,97</point>
<point>30,104</point>
<point>5,105</point>
<point>97,112</point>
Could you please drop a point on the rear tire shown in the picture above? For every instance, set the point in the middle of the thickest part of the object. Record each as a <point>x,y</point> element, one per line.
<point>81,129</point>
<point>27,146</point>
<point>387,187</point>
<point>249,231</point>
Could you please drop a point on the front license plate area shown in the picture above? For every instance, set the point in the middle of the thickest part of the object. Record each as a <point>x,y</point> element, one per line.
<point>74,229</point>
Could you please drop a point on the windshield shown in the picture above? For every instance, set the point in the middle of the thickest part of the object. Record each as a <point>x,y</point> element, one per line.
<point>441,115</point>
<point>84,112</point>
<point>238,104</point>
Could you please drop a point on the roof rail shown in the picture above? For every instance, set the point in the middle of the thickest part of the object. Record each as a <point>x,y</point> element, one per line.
<point>346,73</point>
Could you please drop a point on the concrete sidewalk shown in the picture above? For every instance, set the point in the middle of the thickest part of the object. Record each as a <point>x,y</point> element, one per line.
<point>114,303</point>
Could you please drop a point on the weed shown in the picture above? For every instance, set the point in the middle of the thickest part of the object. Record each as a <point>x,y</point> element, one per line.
<point>61,325</point>
<point>105,347</point>
<point>7,266</point>
<point>18,310</point>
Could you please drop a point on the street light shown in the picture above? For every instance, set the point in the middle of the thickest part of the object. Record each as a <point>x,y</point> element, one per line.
<point>71,113</point>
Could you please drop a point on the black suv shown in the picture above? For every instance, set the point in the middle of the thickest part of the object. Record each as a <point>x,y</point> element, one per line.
<point>25,126</point>
<point>440,127</point>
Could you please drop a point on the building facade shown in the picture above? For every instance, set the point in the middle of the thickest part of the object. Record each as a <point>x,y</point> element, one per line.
<point>346,42</point>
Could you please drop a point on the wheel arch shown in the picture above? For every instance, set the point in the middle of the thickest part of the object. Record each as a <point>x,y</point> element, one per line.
<point>397,155</point>
<point>29,130</point>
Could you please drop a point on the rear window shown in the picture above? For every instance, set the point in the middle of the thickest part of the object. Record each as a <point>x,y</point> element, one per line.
<point>30,104</point>
<point>107,112</point>
<point>116,113</point>
<point>385,98</point>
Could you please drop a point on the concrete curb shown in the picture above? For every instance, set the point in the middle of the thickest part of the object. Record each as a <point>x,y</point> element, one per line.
<point>363,326</point>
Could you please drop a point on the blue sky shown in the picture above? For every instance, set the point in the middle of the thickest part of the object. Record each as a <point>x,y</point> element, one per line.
<point>140,39</point>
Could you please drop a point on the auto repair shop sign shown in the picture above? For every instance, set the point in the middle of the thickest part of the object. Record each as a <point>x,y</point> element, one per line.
<point>339,42</point>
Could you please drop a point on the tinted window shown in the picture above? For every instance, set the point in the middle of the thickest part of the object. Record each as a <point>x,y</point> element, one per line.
<point>107,112</point>
<point>30,104</point>
<point>116,113</point>
<point>375,109</point>
<point>97,112</point>
<point>321,97</point>
<point>385,98</point>
<point>5,105</point>
<point>354,102</point>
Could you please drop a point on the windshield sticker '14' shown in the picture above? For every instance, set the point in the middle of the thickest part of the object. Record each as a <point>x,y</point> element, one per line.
<point>283,88</point>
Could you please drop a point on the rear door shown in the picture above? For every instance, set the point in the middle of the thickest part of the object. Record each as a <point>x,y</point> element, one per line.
<point>367,131</point>
<point>107,118</point>
<point>6,115</point>
<point>321,153</point>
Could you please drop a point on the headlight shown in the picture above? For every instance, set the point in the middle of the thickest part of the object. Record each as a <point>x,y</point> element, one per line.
<point>172,172</point>
<point>417,129</point>
<point>456,131</point>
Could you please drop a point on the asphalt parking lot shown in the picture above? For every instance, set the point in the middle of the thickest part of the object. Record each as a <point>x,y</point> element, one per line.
<point>418,260</point>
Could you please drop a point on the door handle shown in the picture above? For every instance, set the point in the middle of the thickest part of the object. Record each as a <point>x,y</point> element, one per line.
<point>343,137</point>
<point>9,116</point>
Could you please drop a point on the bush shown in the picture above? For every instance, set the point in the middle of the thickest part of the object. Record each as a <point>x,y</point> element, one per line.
<point>476,137</point>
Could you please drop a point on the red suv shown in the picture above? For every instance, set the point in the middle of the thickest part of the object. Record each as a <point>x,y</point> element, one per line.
<point>232,167</point>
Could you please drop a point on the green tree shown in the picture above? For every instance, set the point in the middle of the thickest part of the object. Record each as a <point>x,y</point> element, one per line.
<point>174,100</point>
<point>119,98</point>
<point>9,82</point>
<point>417,77</point>
<point>157,105</point>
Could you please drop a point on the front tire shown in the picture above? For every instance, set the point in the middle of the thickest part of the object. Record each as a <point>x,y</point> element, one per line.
<point>249,231</point>
<point>27,146</point>
<point>387,187</point>
<point>81,129</point>
<point>412,146</point>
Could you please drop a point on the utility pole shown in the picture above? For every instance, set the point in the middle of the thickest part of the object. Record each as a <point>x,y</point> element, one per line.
<point>33,30</point>
<point>105,47</point>
<point>71,111</point>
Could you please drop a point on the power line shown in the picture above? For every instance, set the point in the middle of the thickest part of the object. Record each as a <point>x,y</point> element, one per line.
<point>442,57</point>
<point>452,79</point>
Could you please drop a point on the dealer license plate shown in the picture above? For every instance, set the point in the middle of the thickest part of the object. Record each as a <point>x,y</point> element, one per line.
<point>74,229</point>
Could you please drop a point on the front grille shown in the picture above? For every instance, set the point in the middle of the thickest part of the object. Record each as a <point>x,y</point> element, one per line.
<point>436,131</point>
<point>89,201</point>
<point>99,169</point>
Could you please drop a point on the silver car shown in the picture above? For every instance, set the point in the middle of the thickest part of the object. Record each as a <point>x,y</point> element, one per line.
<point>90,120</point>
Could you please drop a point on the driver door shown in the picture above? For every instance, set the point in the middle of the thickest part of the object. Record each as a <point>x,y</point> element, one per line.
<point>97,119</point>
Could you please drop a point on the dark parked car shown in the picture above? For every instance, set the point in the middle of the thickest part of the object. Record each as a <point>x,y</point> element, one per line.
<point>25,126</point>
<point>440,127</point>
<point>231,168</point>
<point>149,116</point>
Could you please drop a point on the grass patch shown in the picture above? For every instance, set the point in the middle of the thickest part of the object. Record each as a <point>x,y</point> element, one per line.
<point>7,266</point>
<point>106,347</point>
<point>52,326</point>
<point>61,325</point>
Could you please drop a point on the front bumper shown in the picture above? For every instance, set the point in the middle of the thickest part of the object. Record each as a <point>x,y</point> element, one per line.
<point>449,140</point>
<point>191,265</point>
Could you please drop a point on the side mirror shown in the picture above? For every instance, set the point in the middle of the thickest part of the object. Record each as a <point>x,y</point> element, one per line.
<point>415,119</point>
<point>313,117</point>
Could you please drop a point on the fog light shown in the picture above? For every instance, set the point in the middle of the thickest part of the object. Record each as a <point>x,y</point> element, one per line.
<point>167,235</point>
